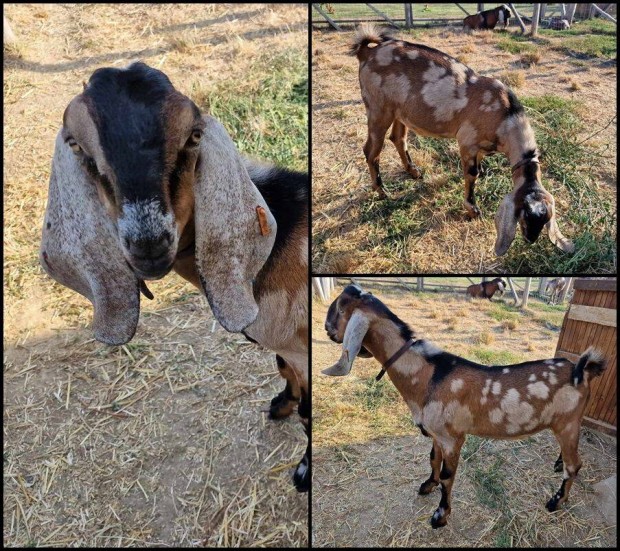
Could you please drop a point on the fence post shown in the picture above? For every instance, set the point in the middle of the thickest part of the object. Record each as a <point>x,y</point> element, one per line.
<point>526,292</point>
<point>420,284</point>
<point>567,288</point>
<point>514,292</point>
<point>327,17</point>
<point>514,10</point>
<point>535,18</point>
<point>542,285</point>
<point>480,7</point>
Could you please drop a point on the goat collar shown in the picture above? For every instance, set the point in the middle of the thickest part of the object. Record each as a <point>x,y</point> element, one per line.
<point>524,162</point>
<point>395,357</point>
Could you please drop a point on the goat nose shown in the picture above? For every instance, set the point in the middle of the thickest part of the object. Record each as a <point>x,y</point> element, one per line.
<point>149,248</point>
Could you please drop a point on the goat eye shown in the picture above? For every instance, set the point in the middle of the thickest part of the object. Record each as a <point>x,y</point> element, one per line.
<point>195,138</point>
<point>74,145</point>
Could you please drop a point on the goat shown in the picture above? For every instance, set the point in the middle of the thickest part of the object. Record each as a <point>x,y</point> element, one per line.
<point>414,87</point>
<point>451,397</point>
<point>142,184</point>
<point>487,289</point>
<point>487,19</point>
<point>556,286</point>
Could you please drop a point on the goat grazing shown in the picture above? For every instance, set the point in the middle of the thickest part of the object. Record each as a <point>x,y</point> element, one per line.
<point>487,289</point>
<point>487,19</point>
<point>414,87</point>
<point>142,184</point>
<point>556,286</point>
<point>451,397</point>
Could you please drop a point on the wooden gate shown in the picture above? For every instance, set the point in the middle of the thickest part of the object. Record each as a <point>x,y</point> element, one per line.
<point>591,321</point>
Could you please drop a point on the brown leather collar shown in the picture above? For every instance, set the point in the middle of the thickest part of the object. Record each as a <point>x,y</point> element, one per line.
<point>395,357</point>
<point>524,162</point>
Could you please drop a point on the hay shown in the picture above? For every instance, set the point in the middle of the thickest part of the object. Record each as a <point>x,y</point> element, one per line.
<point>165,440</point>
<point>369,462</point>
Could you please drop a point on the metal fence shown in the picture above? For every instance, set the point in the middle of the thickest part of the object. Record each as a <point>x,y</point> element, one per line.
<point>324,287</point>
<point>415,15</point>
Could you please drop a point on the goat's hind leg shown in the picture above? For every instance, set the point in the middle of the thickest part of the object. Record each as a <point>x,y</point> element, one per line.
<point>558,466</point>
<point>433,480</point>
<point>377,127</point>
<point>451,449</point>
<point>569,441</point>
<point>398,137</point>
<point>284,403</point>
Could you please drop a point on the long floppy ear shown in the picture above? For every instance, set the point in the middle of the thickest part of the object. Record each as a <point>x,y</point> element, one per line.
<point>555,235</point>
<point>505,224</point>
<point>351,345</point>
<point>80,249</point>
<point>235,231</point>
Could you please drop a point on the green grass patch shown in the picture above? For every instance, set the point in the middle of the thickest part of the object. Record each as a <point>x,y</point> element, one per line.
<point>489,483</point>
<point>494,357</point>
<point>375,394</point>
<point>591,38</point>
<point>267,115</point>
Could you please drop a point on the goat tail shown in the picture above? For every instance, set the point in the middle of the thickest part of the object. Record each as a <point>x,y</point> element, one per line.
<point>590,364</point>
<point>367,34</point>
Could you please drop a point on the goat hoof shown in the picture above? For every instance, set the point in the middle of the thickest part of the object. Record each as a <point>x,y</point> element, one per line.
<point>473,212</point>
<point>438,520</point>
<point>427,487</point>
<point>381,193</point>
<point>414,171</point>
<point>301,477</point>
<point>281,406</point>
<point>553,504</point>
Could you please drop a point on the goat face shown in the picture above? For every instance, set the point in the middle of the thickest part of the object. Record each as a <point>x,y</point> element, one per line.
<point>501,284</point>
<point>134,164</point>
<point>138,139</point>
<point>532,210</point>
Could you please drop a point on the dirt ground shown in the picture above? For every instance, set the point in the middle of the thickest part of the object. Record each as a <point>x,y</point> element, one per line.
<point>164,441</point>
<point>370,459</point>
<point>346,236</point>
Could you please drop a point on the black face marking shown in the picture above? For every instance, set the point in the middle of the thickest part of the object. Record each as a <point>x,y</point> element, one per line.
<point>127,106</point>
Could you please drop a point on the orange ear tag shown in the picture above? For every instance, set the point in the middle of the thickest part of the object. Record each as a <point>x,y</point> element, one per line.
<point>262,221</point>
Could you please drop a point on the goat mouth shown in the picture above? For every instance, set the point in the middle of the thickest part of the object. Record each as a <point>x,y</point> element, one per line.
<point>333,337</point>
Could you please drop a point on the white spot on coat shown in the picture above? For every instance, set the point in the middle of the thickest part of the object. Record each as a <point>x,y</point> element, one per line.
<point>456,385</point>
<point>539,389</point>
<point>496,415</point>
<point>497,387</point>
<point>532,378</point>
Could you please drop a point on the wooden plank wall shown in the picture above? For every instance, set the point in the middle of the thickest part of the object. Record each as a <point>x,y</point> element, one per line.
<point>577,335</point>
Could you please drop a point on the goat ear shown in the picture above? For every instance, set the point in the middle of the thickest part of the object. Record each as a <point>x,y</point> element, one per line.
<point>505,224</point>
<point>555,235</point>
<point>351,345</point>
<point>235,231</point>
<point>80,249</point>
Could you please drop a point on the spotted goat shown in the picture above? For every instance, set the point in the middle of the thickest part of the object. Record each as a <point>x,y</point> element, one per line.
<point>451,397</point>
<point>413,87</point>
<point>142,184</point>
<point>488,19</point>
<point>487,289</point>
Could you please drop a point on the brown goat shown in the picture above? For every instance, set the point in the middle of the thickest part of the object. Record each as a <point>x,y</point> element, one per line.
<point>451,397</point>
<point>487,19</point>
<point>487,289</point>
<point>414,87</point>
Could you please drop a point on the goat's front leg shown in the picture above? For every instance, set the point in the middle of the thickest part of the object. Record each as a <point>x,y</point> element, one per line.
<point>569,441</point>
<point>451,449</point>
<point>377,127</point>
<point>433,480</point>
<point>302,475</point>
<point>398,137</point>
<point>284,403</point>
<point>471,168</point>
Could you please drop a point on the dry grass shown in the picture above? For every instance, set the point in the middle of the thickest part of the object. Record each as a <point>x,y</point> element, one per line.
<point>370,461</point>
<point>163,441</point>
<point>422,229</point>
<point>514,79</point>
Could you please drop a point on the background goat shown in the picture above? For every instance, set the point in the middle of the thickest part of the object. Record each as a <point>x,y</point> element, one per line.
<point>451,397</point>
<point>556,286</point>
<point>414,87</point>
<point>487,19</point>
<point>487,289</point>
<point>141,184</point>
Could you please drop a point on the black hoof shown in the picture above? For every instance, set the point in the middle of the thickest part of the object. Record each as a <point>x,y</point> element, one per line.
<point>282,406</point>
<point>552,504</point>
<point>438,521</point>
<point>427,487</point>
<point>301,477</point>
